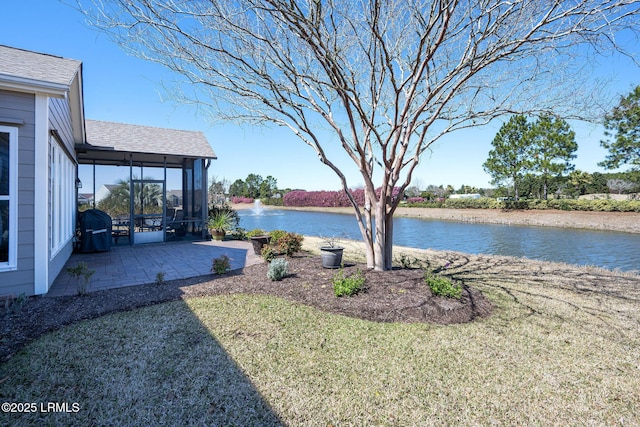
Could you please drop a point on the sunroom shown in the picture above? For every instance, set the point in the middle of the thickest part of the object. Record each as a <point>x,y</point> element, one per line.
<point>152,182</point>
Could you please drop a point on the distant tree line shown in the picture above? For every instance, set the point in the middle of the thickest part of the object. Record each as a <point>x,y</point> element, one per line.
<point>541,151</point>
<point>534,158</point>
<point>529,158</point>
<point>254,187</point>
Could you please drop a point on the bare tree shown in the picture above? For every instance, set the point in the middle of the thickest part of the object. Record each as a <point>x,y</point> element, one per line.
<point>218,188</point>
<point>620,185</point>
<point>387,78</point>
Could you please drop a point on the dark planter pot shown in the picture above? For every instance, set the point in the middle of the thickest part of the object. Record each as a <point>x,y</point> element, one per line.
<point>331,256</point>
<point>259,242</point>
<point>217,234</point>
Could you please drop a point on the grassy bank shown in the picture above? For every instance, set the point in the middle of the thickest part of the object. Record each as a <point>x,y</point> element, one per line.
<point>560,349</point>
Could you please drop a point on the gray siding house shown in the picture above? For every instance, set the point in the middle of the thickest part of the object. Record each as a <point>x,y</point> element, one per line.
<point>43,138</point>
<point>41,120</point>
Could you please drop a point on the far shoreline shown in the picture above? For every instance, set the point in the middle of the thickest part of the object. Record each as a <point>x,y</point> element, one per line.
<point>626,222</point>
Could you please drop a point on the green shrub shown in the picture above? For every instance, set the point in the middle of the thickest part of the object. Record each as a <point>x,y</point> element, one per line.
<point>442,286</point>
<point>83,274</point>
<point>481,203</point>
<point>278,269</point>
<point>407,261</point>
<point>347,286</point>
<point>272,201</point>
<point>539,204</point>
<point>221,264</point>
<point>289,243</point>
<point>277,235</point>
<point>238,233</point>
<point>232,219</point>
<point>425,204</point>
<point>160,277</point>
<point>268,253</point>
<point>14,305</point>
<point>255,232</point>
<point>512,204</point>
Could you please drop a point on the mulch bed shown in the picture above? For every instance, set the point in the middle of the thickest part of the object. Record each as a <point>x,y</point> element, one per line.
<point>399,295</point>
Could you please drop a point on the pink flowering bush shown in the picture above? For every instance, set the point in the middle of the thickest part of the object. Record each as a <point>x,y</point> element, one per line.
<point>325,199</point>
<point>241,200</point>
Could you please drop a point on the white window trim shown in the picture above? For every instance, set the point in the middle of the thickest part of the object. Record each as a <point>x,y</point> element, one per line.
<point>62,206</point>
<point>12,263</point>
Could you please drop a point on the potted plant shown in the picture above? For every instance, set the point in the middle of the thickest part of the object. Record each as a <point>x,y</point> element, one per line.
<point>259,238</point>
<point>219,222</point>
<point>331,254</point>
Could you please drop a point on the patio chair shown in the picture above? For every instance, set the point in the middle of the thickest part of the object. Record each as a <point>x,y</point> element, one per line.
<point>177,225</point>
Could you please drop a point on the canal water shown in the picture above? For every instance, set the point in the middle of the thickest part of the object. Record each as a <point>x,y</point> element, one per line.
<point>608,249</point>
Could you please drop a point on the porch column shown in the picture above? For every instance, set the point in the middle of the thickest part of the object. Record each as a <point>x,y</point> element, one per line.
<point>41,226</point>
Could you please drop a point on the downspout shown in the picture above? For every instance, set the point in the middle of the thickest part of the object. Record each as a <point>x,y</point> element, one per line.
<point>164,202</point>
<point>205,196</point>
<point>131,217</point>
<point>94,184</point>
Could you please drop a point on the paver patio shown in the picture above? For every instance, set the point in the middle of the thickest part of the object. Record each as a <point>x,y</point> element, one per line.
<point>137,265</point>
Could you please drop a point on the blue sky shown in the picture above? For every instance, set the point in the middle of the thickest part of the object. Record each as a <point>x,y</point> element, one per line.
<point>121,88</point>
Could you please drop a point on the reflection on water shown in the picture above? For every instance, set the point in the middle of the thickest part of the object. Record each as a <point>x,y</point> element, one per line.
<point>613,250</point>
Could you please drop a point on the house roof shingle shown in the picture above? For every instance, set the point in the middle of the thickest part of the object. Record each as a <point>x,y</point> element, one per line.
<point>146,139</point>
<point>25,69</point>
<point>36,66</point>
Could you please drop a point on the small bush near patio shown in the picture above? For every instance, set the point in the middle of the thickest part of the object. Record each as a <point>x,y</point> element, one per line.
<point>238,233</point>
<point>442,286</point>
<point>268,253</point>
<point>160,277</point>
<point>221,265</point>
<point>14,304</point>
<point>277,234</point>
<point>289,243</point>
<point>347,286</point>
<point>282,242</point>
<point>278,269</point>
<point>83,274</point>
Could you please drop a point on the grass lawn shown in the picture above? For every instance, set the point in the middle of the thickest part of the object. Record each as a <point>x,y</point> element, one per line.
<point>554,352</point>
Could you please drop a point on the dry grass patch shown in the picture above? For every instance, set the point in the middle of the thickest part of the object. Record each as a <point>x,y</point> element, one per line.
<point>561,348</point>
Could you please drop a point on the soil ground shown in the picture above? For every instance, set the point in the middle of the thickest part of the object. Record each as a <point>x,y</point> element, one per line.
<point>390,296</point>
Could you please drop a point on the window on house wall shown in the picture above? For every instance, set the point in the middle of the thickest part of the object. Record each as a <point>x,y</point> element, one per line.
<point>61,196</point>
<point>8,197</point>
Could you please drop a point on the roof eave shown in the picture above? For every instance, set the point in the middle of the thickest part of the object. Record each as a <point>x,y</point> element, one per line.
<point>21,84</point>
<point>76,103</point>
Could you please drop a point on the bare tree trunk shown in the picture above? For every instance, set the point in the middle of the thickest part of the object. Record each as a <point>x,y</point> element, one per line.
<point>388,242</point>
<point>367,232</point>
<point>382,247</point>
<point>381,236</point>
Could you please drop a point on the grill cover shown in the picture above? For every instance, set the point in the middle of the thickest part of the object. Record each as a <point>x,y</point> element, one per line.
<point>95,229</point>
